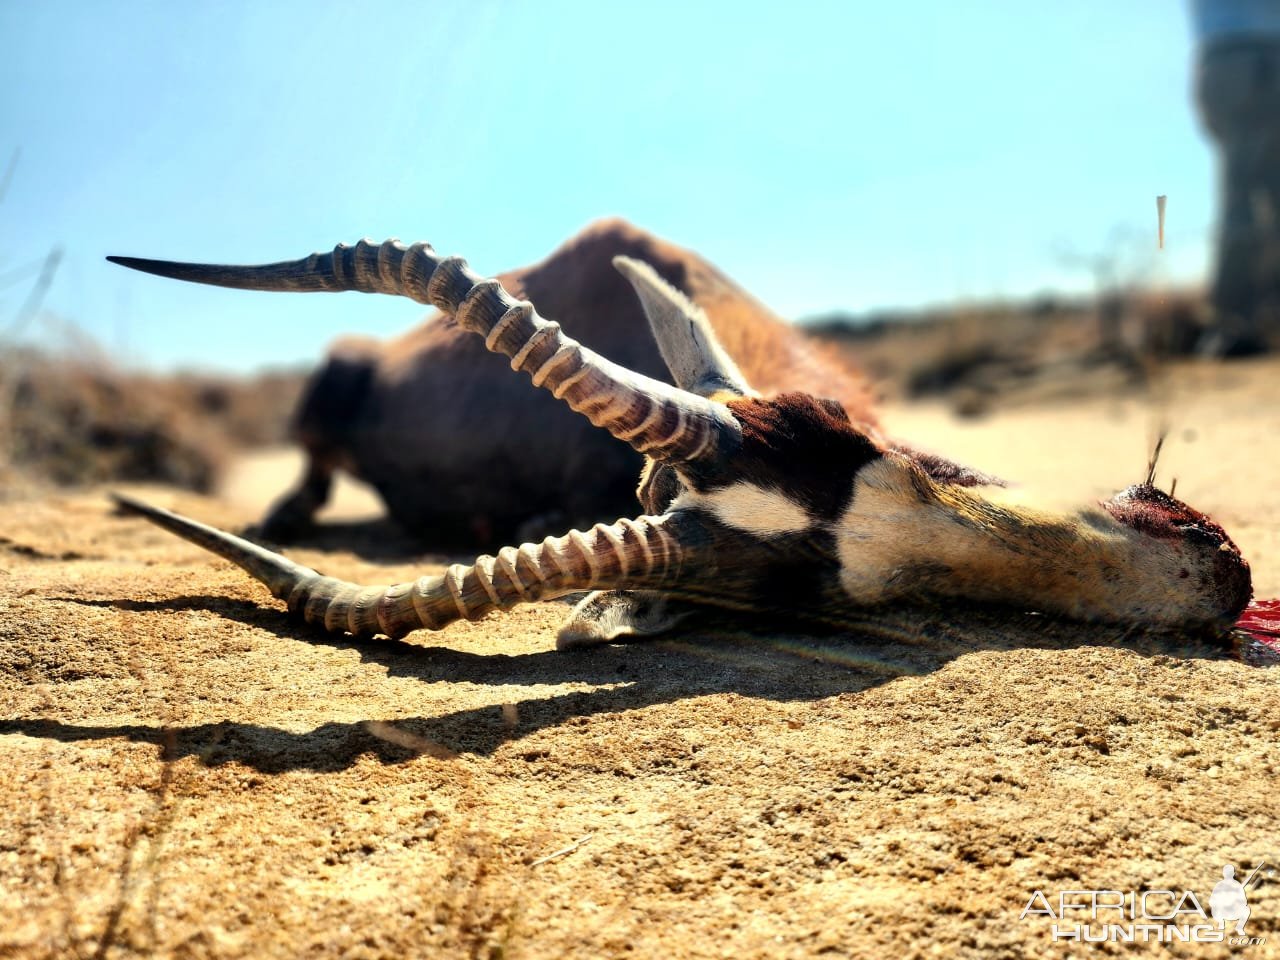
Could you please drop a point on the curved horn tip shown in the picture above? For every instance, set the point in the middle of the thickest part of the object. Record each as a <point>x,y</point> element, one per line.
<point>134,262</point>
<point>160,268</point>
<point>128,503</point>
<point>126,261</point>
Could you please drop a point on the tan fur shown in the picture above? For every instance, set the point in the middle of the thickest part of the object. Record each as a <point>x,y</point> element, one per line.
<point>905,536</point>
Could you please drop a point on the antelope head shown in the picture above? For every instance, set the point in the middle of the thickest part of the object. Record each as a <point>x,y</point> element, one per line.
<point>776,505</point>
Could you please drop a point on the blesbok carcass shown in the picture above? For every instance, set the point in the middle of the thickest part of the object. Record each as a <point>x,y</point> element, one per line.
<point>424,415</point>
<point>782,504</point>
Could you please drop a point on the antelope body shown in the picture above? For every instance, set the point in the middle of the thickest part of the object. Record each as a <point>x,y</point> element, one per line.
<point>781,504</point>
<point>423,416</point>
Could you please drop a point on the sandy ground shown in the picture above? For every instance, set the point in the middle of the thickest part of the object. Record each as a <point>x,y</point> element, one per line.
<point>189,773</point>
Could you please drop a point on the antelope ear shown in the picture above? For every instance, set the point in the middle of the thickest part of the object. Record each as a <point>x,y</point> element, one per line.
<point>695,358</point>
<point>617,616</point>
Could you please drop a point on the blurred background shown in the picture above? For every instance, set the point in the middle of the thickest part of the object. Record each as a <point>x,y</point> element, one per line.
<point>964,195</point>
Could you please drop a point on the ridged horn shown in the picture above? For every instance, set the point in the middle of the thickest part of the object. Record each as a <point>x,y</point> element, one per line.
<point>640,554</point>
<point>684,336</point>
<point>660,421</point>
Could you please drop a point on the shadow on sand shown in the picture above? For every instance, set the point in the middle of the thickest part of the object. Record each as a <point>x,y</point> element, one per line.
<point>754,660</point>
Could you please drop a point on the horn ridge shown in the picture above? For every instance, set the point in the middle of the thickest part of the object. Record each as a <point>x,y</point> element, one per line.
<point>663,422</point>
<point>629,554</point>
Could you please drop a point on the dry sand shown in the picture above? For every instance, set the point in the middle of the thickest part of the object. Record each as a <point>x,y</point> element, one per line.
<point>189,773</point>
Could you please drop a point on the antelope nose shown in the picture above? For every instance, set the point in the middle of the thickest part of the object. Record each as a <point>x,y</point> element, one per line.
<point>1224,575</point>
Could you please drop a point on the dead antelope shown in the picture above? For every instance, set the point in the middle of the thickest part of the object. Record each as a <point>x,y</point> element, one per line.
<point>779,505</point>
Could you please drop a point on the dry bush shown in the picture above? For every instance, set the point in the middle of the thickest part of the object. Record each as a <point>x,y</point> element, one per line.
<point>980,355</point>
<point>72,421</point>
<point>1173,324</point>
<point>253,411</point>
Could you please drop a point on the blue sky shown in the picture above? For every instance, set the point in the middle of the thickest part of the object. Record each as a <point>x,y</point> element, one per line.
<point>829,156</point>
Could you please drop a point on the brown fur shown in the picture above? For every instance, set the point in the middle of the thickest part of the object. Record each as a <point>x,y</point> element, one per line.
<point>465,453</point>
<point>803,446</point>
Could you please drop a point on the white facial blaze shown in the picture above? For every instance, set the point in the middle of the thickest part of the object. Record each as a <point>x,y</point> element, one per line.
<point>746,507</point>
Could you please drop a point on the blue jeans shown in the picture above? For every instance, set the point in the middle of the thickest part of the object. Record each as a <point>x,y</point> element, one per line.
<point>1238,93</point>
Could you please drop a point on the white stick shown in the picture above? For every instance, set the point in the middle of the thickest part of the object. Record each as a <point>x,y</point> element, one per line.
<point>563,850</point>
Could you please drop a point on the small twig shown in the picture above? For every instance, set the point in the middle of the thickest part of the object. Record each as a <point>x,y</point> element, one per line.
<point>562,851</point>
<point>1155,455</point>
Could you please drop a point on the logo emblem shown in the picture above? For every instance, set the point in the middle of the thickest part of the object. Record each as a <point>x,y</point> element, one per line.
<point>1228,900</point>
